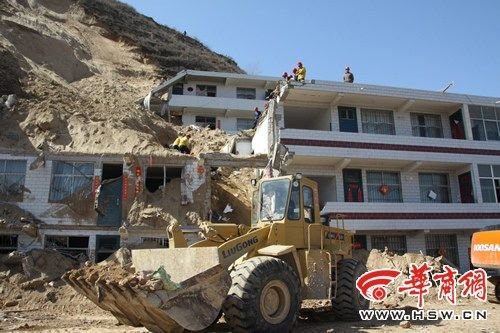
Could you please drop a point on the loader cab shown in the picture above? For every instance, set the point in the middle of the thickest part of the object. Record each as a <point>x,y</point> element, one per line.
<point>291,201</point>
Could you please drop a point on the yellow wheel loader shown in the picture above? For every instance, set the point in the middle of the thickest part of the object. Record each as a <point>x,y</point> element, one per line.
<point>257,276</point>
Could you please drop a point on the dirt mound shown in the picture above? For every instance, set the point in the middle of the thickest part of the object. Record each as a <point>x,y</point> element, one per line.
<point>378,259</point>
<point>231,187</point>
<point>86,69</point>
<point>164,207</point>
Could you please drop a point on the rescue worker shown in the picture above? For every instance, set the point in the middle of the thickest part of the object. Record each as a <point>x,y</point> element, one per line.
<point>184,144</point>
<point>301,72</point>
<point>348,76</point>
<point>257,114</point>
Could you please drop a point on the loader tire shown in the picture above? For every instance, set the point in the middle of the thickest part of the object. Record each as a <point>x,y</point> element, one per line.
<point>264,296</point>
<point>348,301</point>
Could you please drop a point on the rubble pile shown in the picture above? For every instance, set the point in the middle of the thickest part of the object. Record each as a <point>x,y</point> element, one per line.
<point>14,218</point>
<point>376,259</point>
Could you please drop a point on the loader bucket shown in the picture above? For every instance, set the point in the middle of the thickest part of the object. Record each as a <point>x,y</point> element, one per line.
<point>187,292</point>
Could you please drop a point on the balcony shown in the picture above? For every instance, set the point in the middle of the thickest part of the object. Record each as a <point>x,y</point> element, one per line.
<point>217,106</point>
<point>414,216</point>
<point>329,148</point>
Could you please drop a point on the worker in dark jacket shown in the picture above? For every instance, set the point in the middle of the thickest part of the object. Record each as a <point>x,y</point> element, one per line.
<point>257,114</point>
<point>348,76</point>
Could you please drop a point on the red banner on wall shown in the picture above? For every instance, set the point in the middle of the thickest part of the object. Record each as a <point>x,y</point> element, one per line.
<point>125,187</point>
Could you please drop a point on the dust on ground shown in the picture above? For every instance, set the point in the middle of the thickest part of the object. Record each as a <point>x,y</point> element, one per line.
<point>52,306</point>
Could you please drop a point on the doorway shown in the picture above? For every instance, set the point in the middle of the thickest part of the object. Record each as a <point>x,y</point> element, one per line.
<point>466,190</point>
<point>353,185</point>
<point>109,201</point>
<point>348,121</point>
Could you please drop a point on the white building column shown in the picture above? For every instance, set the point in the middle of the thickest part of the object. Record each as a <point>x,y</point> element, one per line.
<point>467,122</point>
<point>476,185</point>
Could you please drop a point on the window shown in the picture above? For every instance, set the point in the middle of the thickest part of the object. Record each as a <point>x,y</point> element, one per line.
<point>71,180</point>
<point>426,125</point>
<point>72,245</point>
<point>384,186</point>
<point>244,124</point>
<point>442,245</point>
<point>205,121</point>
<point>307,192</point>
<point>12,177</point>
<point>245,93</point>
<point>489,178</point>
<point>485,122</point>
<point>294,204</point>
<point>160,242</point>
<point>434,187</point>
<point>377,121</point>
<point>207,91</point>
<point>8,243</point>
<point>396,244</point>
<point>160,176</point>
<point>178,89</point>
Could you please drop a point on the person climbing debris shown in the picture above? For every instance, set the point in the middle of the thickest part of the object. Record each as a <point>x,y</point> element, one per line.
<point>257,114</point>
<point>182,144</point>
<point>301,72</point>
<point>348,76</point>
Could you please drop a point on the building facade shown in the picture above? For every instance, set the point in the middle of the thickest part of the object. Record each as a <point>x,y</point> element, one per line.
<point>411,170</point>
<point>208,99</point>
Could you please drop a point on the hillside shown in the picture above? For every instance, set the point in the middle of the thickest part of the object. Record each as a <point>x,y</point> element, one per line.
<point>79,66</point>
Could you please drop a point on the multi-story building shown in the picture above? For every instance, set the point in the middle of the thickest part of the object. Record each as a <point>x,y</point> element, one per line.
<point>218,100</point>
<point>411,170</point>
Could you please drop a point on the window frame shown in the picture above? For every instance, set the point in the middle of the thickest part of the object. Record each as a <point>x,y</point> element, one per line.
<point>390,241</point>
<point>19,182</point>
<point>50,243</point>
<point>425,189</point>
<point>432,241</point>
<point>378,115</point>
<point>8,243</point>
<point>417,128</point>
<point>208,89</point>
<point>204,121</point>
<point>493,178</point>
<point>248,121</point>
<point>384,175</point>
<point>478,118</point>
<point>73,176</point>
<point>241,94</point>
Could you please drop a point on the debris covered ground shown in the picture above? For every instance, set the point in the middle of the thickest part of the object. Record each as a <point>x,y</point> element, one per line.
<point>52,306</point>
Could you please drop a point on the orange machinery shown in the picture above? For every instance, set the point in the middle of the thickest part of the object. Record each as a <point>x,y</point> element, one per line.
<point>485,253</point>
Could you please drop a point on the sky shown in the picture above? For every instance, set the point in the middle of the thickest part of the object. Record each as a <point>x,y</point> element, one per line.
<point>420,44</point>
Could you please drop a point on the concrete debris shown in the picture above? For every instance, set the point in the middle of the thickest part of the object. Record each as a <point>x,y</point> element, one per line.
<point>122,257</point>
<point>405,324</point>
<point>11,101</point>
<point>376,259</point>
<point>46,265</point>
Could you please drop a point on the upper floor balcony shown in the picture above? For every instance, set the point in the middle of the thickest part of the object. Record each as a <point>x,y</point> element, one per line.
<point>219,106</point>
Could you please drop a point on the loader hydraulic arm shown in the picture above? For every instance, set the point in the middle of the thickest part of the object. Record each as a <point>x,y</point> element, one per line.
<point>233,249</point>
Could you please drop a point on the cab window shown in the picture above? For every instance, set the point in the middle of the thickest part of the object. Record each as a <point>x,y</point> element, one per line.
<point>294,204</point>
<point>307,194</point>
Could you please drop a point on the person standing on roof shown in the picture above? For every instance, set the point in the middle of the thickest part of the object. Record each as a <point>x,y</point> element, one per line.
<point>348,76</point>
<point>301,72</point>
<point>257,114</point>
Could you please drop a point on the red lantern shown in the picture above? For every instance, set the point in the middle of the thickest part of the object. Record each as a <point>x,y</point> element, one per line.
<point>384,189</point>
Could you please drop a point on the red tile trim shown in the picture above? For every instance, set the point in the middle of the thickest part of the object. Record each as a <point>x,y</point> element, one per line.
<point>385,146</point>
